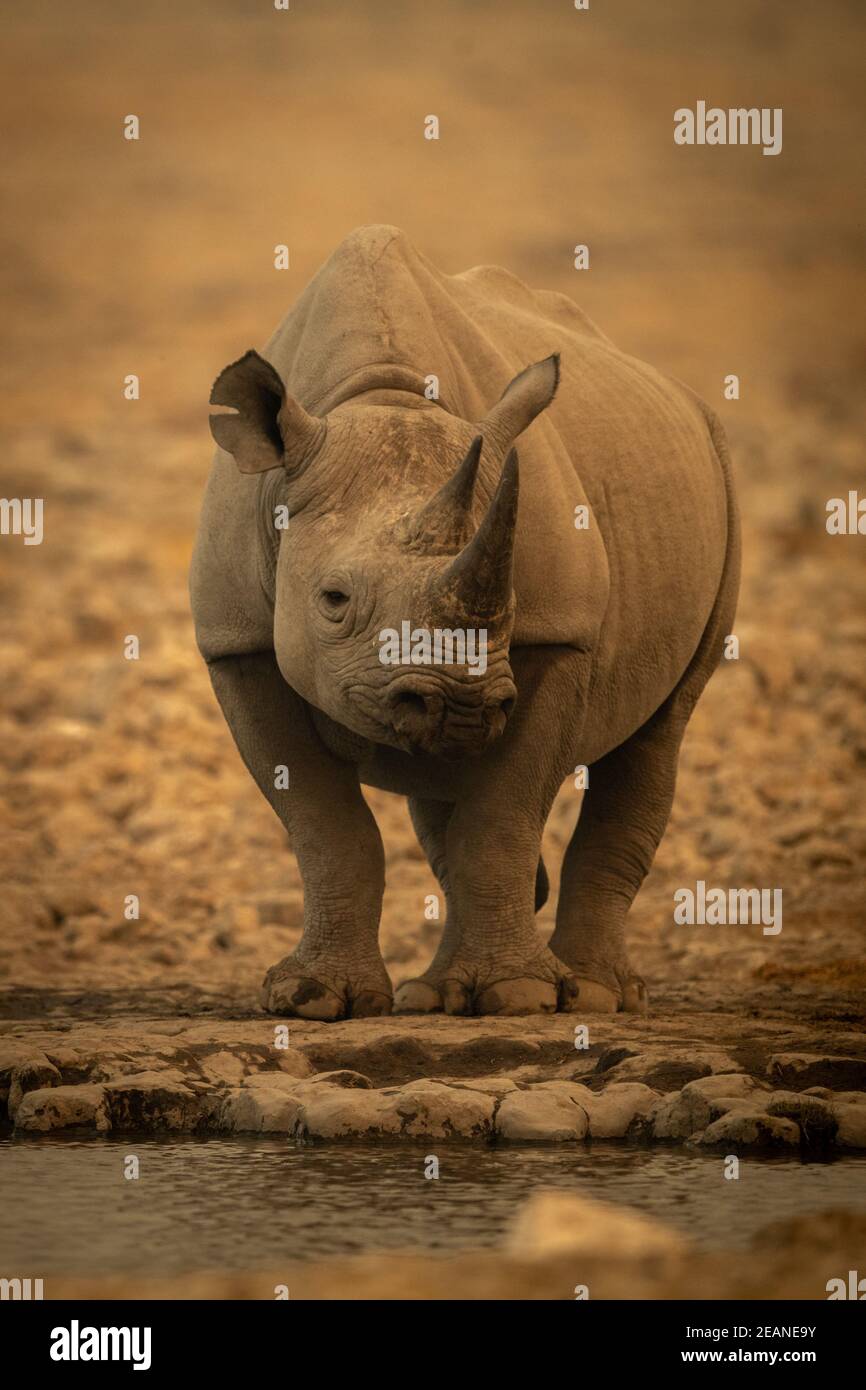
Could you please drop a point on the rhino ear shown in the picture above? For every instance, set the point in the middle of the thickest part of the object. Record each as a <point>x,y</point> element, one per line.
<point>526,396</point>
<point>270,428</point>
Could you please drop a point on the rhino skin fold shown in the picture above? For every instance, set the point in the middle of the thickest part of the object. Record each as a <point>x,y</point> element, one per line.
<point>459,513</point>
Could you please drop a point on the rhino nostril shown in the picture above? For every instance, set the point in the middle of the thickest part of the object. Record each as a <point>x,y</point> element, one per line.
<point>507,706</point>
<point>407,701</point>
<point>414,712</point>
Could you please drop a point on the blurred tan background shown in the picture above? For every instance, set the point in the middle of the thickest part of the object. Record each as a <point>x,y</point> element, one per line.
<point>156,257</point>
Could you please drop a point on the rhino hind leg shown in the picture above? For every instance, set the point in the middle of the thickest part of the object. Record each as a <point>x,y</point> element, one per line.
<point>625,814</point>
<point>425,994</point>
<point>623,818</point>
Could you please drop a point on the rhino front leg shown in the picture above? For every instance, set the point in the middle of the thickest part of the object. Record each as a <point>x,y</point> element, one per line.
<point>337,970</point>
<point>492,960</point>
<point>430,819</point>
<point>424,994</point>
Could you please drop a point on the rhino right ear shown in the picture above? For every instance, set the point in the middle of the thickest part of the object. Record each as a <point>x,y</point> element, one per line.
<point>270,428</point>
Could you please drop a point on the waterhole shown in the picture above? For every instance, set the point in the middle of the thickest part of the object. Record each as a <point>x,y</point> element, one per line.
<point>247,1204</point>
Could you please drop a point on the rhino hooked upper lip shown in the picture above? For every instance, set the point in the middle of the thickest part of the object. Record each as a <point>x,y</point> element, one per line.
<point>449,717</point>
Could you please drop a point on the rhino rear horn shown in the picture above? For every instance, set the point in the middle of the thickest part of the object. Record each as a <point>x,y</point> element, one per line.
<point>270,428</point>
<point>478,580</point>
<point>445,522</point>
<point>524,398</point>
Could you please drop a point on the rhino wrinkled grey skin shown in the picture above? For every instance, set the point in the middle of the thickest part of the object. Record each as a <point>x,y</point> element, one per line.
<point>606,594</point>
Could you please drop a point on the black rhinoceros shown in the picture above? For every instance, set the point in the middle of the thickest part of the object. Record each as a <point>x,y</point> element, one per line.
<point>603,599</point>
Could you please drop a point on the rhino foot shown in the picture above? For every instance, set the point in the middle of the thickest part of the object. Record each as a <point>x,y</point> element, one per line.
<point>541,985</point>
<point>299,989</point>
<point>594,998</point>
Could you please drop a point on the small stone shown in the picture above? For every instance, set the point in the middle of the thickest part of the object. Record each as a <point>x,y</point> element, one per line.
<point>33,1075</point>
<point>716,842</point>
<point>64,1107</point>
<point>294,1062</point>
<point>555,1224</point>
<point>223,1068</point>
<point>343,1077</point>
<point>670,1071</point>
<point>749,1128</point>
<point>153,1101</point>
<point>801,1069</point>
<point>260,1110</point>
<point>814,1116</point>
<point>613,1110</point>
<point>272,1081</point>
<point>332,1112</point>
<point>488,1085</point>
<point>847,1097</point>
<point>851,1126</point>
<point>430,1109</point>
<point>542,1114</point>
<point>702,1102</point>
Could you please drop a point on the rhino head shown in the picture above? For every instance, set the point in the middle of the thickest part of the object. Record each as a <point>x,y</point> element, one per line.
<point>402,527</point>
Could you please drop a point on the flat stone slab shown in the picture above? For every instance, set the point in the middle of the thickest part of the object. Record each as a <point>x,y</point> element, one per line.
<point>484,1080</point>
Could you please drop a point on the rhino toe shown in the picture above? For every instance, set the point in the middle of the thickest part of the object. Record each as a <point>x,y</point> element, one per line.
<point>417,997</point>
<point>289,989</point>
<point>520,996</point>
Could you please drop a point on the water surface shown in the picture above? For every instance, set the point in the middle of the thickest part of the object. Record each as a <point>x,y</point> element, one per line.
<point>252,1203</point>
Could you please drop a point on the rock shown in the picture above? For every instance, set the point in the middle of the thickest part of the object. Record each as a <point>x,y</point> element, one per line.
<point>737,1083</point>
<point>801,1069</point>
<point>488,1085</point>
<point>344,1077</point>
<point>154,1102</point>
<point>260,1110</point>
<point>814,1116</point>
<point>544,1114</point>
<point>223,1068</point>
<point>332,1112</point>
<point>12,1055</point>
<point>851,1126</point>
<point>716,842</point>
<point>64,1107</point>
<point>294,1062</point>
<point>420,1110</point>
<point>551,1224</point>
<point>702,1102</point>
<point>35,1074</point>
<point>613,1110</point>
<point>575,1090</point>
<point>668,1071</point>
<point>272,1081</point>
<point>432,1109</point>
<point>746,1127</point>
<point>847,1097</point>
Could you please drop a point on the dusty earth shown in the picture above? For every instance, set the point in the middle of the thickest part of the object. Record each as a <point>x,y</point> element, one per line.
<point>156,258</point>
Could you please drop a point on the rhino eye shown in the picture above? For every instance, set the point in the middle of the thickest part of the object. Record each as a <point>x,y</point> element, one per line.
<point>333,604</point>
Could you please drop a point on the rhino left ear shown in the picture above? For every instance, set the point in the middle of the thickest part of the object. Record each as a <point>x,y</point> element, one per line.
<point>270,428</point>
<point>526,396</point>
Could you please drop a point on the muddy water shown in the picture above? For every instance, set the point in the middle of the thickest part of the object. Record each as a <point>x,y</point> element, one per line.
<point>252,1203</point>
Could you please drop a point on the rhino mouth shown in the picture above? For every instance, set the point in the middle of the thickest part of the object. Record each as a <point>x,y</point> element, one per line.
<point>450,721</point>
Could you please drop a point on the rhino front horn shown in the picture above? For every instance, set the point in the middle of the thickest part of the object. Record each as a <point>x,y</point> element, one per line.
<point>478,580</point>
<point>270,429</point>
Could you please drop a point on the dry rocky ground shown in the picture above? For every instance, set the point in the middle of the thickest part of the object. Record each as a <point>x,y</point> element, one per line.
<point>120,777</point>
